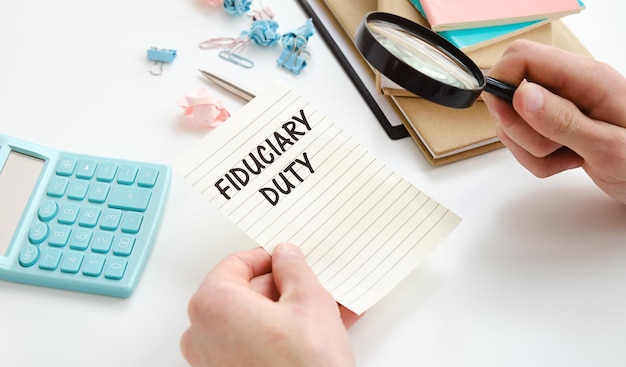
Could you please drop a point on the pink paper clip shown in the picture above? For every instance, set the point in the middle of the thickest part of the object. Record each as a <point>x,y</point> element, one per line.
<point>263,13</point>
<point>231,47</point>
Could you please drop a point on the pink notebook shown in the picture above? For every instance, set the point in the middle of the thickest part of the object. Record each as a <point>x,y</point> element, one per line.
<point>445,15</point>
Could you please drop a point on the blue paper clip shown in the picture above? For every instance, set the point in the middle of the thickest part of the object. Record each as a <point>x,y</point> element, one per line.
<point>236,59</point>
<point>160,56</point>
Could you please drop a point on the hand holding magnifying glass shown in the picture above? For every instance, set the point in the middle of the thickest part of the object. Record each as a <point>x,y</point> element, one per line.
<point>562,119</point>
<point>423,62</point>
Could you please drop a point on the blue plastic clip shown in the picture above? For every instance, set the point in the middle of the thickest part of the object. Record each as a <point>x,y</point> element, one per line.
<point>160,56</point>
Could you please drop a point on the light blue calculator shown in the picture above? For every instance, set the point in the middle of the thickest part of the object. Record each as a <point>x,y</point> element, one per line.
<point>74,221</point>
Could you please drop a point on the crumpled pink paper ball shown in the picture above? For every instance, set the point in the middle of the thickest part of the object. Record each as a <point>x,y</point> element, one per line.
<point>205,110</point>
<point>213,2</point>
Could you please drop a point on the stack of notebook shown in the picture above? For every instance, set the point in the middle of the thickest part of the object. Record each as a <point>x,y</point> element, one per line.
<point>472,24</point>
<point>446,134</point>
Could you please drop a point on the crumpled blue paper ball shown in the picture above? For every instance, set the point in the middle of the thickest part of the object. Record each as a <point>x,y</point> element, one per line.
<point>237,7</point>
<point>263,32</point>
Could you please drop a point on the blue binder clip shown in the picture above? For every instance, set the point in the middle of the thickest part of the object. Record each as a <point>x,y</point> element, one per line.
<point>160,56</point>
<point>294,56</point>
<point>291,60</point>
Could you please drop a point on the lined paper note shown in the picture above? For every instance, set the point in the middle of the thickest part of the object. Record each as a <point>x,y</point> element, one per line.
<point>282,171</point>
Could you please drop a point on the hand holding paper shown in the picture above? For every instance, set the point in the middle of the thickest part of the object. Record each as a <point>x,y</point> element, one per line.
<point>282,171</point>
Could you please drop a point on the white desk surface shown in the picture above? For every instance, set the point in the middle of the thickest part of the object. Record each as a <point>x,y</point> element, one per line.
<point>535,275</point>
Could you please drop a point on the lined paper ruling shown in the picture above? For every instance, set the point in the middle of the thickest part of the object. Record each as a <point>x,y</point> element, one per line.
<point>282,171</point>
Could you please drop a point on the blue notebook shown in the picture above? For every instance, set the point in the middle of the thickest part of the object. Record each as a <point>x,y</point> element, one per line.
<point>472,39</point>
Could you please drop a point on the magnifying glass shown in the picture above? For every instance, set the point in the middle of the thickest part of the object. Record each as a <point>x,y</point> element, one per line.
<point>423,62</point>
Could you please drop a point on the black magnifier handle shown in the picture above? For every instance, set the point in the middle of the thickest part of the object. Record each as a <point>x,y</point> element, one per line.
<point>499,89</point>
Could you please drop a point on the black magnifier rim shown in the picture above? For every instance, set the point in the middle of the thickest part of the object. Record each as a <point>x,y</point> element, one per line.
<point>408,77</point>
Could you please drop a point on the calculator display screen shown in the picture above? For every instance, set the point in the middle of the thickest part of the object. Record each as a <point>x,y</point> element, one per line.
<point>17,181</point>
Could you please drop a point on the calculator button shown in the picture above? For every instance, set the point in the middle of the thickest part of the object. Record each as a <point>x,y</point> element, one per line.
<point>66,166</point>
<point>72,261</point>
<point>59,235</point>
<point>132,222</point>
<point>111,219</point>
<point>57,186</point>
<point>98,192</point>
<point>102,242</point>
<point>78,190</point>
<point>123,245</point>
<point>47,210</point>
<point>89,216</point>
<point>130,198</point>
<point>93,265</point>
<point>68,213</point>
<point>80,239</point>
<point>29,256</point>
<point>38,233</point>
<point>50,259</point>
<point>147,177</point>
<point>86,168</point>
<point>115,268</point>
<point>106,171</point>
<point>127,174</point>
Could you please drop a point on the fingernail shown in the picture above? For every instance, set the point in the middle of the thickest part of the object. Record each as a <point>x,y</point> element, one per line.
<point>290,249</point>
<point>534,98</point>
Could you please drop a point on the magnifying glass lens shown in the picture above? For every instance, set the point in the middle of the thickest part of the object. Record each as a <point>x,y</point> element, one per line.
<point>423,62</point>
<point>422,55</point>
